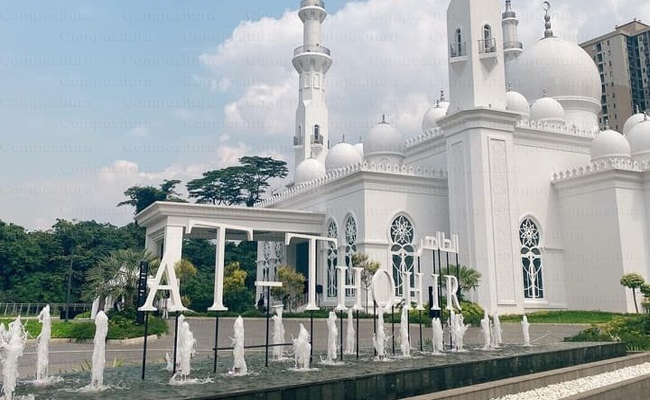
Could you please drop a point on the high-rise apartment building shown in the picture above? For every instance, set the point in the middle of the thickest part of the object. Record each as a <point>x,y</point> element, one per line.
<point>623,60</point>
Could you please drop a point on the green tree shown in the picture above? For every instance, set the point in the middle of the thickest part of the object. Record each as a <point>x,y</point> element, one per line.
<point>141,197</point>
<point>369,268</point>
<point>292,284</point>
<point>236,297</point>
<point>185,270</point>
<point>242,184</point>
<point>222,187</point>
<point>633,281</point>
<point>258,172</point>
<point>35,265</point>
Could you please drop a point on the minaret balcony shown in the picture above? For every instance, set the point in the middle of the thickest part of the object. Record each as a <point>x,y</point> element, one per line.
<point>311,50</point>
<point>513,45</point>
<point>298,141</point>
<point>312,3</point>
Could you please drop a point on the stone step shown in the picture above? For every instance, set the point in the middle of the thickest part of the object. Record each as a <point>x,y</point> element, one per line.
<point>524,383</point>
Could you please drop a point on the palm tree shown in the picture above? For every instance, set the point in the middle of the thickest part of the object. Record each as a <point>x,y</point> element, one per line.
<point>468,278</point>
<point>116,275</point>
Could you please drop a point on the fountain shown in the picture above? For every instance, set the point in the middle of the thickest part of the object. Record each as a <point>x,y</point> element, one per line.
<point>405,343</point>
<point>169,358</point>
<point>332,336</point>
<point>43,348</point>
<point>350,339</point>
<point>438,336</point>
<point>525,327</point>
<point>185,351</point>
<point>458,330</point>
<point>486,327</point>
<point>302,350</point>
<point>12,345</point>
<point>379,340</point>
<point>497,341</point>
<point>99,354</point>
<point>239,367</point>
<point>278,334</point>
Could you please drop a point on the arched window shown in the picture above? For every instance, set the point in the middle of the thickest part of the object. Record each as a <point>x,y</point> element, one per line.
<point>459,43</point>
<point>487,32</point>
<point>332,260</point>
<point>316,132</point>
<point>531,259</point>
<point>488,43</point>
<point>350,249</point>
<point>401,235</point>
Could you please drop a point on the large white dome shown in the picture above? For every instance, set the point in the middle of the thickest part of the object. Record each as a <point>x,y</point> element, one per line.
<point>632,122</point>
<point>342,155</point>
<point>609,143</point>
<point>547,109</point>
<point>561,67</point>
<point>308,170</point>
<point>432,116</point>
<point>384,142</point>
<point>639,138</point>
<point>516,102</point>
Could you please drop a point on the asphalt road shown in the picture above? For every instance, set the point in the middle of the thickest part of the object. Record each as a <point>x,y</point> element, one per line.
<point>68,357</point>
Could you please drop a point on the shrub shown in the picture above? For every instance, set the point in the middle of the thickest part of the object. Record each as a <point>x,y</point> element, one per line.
<point>632,330</point>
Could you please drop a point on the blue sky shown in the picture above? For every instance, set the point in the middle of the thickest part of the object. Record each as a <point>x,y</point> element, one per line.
<point>85,113</point>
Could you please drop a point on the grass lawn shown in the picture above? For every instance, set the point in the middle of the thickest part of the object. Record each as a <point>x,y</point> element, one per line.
<point>565,317</point>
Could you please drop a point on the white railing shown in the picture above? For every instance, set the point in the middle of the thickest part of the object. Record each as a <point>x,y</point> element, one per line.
<point>349,170</point>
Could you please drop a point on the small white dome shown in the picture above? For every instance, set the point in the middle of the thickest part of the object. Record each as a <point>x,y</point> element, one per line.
<point>547,109</point>
<point>516,102</point>
<point>384,140</point>
<point>308,170</point>
<point>609,143</point>
<point>632,122</point>
<point>342,155</point>
<point>359,147</point>
<point>434,113</point>
<point>639,138</point>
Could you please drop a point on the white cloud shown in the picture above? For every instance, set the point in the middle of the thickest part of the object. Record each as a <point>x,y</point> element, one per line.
<point>390,57</point>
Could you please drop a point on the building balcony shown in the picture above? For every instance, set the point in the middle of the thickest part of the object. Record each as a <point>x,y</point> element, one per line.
<point>297,141</point>
<point>487,46</point>
<point>312,3</point>
<point>311,49</point>
<point>317,140</point>
<point>458,52</point>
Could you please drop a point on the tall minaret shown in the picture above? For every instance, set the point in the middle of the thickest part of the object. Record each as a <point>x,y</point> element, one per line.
<point>479,134</point>
<point>476,66</point>
<point>512,47</point>
<point>312,61</point>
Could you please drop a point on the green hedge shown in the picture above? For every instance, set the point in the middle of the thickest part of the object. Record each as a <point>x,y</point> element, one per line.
<point>633,330</point>
<point>120,326</point>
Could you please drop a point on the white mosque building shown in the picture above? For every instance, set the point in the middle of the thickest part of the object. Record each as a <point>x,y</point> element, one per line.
<point>547,207</point>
